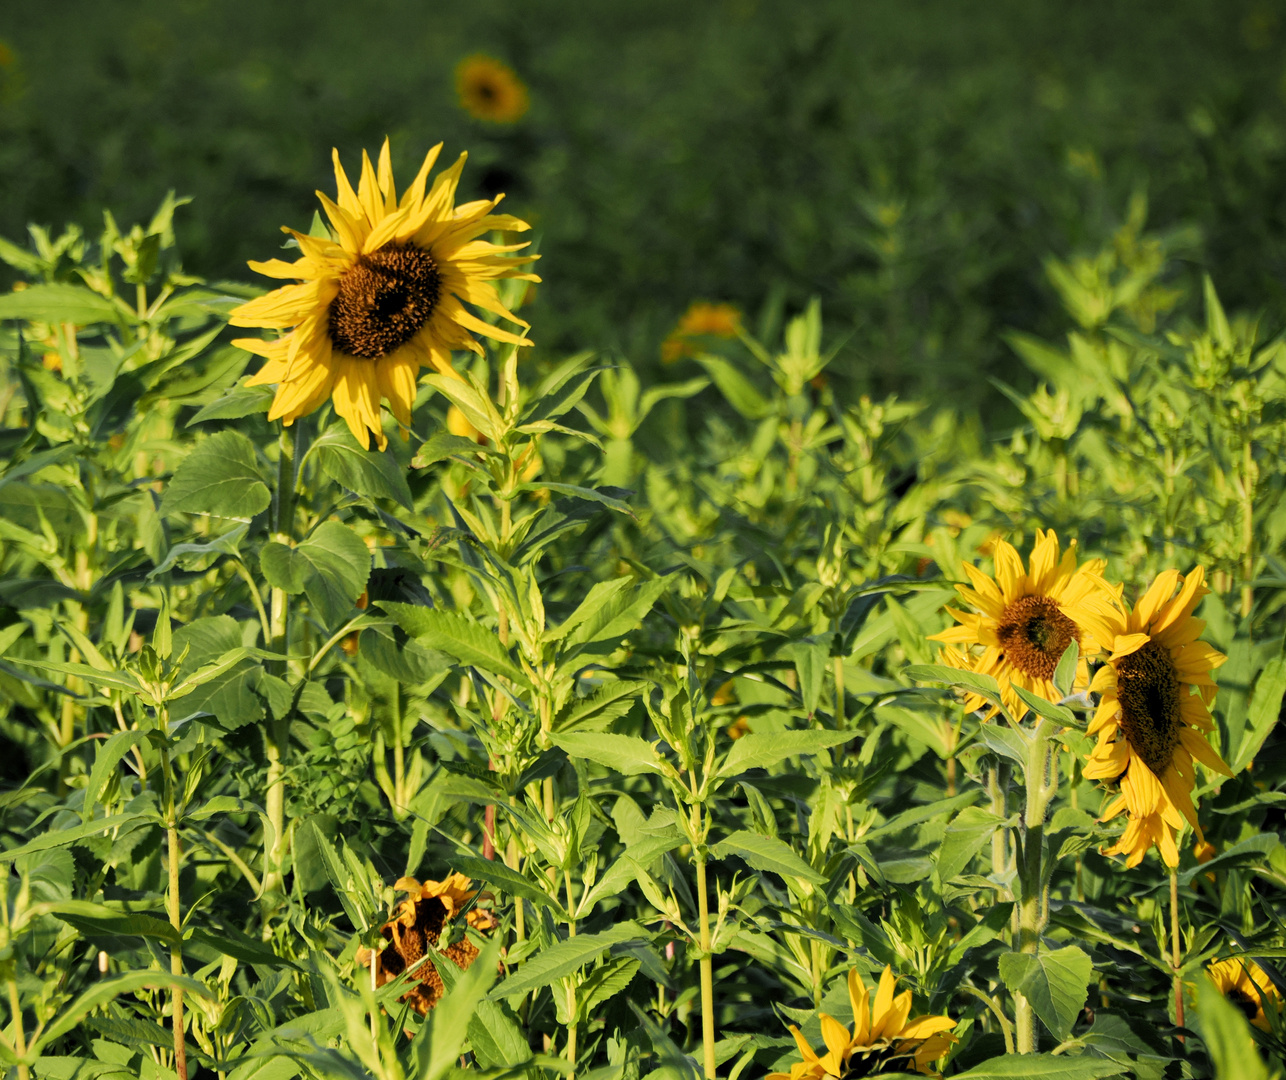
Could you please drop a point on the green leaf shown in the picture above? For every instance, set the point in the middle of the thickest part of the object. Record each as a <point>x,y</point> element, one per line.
<point>456,636</point>
<point>220,476</point>
<point>811,659</point>
<point>188,554</point>
<point>1227,1036</point>
<point>759,750</point>
<point>497,873</point>
<point>100,993</point>
<point>1060,714</point>
<point>983,685</point>
<point>65,837</point>
<point>1265,706</point>
<point>1065,672</point>
<point>444,445</point>
<point>495,1037</point>
<point>919,814</point>
<point>437,1049</point>
<point>78,1068</point>
<point>370,473</point>
<point>766,853</point>
<point>58,303</point>
<point>232,942</point>
<point>565,957</point>
<point>625,754</point>
<point>967,835</point>
<point>108,757</point>
<point>1042,1067</point>
<point>598,495</point>
<point>1254,850</point>
<point>611,610</point>
<point>239,402</point>
<point>740,393</point>
<point>95,920</point>
<point>637,857</point>
<point>1056,983</point>
<point>331,567</point>
<point>594,712</point>
<point>1001,739</point>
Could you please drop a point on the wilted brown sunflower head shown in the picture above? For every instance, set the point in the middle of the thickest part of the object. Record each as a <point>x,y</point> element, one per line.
<point>417,926</point>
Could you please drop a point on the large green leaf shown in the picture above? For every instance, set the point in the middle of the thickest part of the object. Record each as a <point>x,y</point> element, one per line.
<point>610,610</point>
<point>597,710</point>
<point>766,853</point>
<point>967,835</point>
<point>220,476</point>
<point>456,636</point>
<point>625,754</point>
<point>370,473</point>
<point>57,303</point>
<point>331,567</point>
<point>565,957</point>
<point>759,750</point>
<point>95,920</point>
<point>497,873</point>
<point>1265,707</point>
<point>64,837</point>
<point>1056,983</point>
<point>1042,1067</point>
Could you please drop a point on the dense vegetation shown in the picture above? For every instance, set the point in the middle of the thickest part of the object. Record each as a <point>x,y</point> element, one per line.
<point>602,707</point>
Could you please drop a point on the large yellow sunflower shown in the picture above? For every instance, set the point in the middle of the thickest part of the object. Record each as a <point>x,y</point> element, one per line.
<point>382,299</point>
<point>416,927</point>
<point>1153,712</point>
<point>1024,619</point>
<point>883,1039</point>
<point>1246,986</point>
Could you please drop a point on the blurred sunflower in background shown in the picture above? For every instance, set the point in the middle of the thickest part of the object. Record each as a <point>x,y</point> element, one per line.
<point>490,90</point>
<point>416,927</point>
<point>1153,714</point>
<point>383,298</point>
<point>1023,620</point>
<point>1247,986</point>
<point>702,319</point>
<point>884,1039</point>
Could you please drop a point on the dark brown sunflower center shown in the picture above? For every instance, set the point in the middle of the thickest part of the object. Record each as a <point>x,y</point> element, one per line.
<point>383,300</point>
<point>1147,685</point>
<point>1034,635</point>
<point>1244,1002</point>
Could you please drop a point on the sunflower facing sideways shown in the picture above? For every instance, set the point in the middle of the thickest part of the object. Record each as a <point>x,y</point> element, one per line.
<point>415,929</point>
<point>1024,619</point>
<point>1153,713</point>
<point>1246,985</point>
<point>883,1040</point>
<point>382,299</point>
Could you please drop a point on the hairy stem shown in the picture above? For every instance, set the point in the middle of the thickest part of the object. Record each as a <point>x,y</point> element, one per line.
<point>707,969</point>
<point>1176,949</point>
<point>1032,912</point>
<point>175,854</point>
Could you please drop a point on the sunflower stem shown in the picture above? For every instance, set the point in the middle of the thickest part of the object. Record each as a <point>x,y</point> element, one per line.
<point>1176,950</point>
<point>1041,781</point>
<point>707,967</point>
<point>175,854</point>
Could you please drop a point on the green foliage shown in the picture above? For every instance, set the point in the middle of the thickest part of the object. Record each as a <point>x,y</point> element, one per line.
<point>663,690</point>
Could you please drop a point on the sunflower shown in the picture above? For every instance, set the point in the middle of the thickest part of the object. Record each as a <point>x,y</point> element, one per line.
<point>1246,986</point>
<point>700,320</point>
<point>1023,620</point>
<point>883,1040</point>
<point>417,925</point>
<point>1153,712</point>
<point>490,90</point>
<point>383,298</point>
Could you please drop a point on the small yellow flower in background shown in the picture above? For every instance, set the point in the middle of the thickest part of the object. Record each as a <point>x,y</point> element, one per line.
<point>1023,620</point>
<point>883,1039</point>
<point>416,927</point>
<point>1246,986</point>
<point>1153,713</point>
<point>490,90</point>
<point>384,298</point>
<point>702,319</point>
<point>7,55</point>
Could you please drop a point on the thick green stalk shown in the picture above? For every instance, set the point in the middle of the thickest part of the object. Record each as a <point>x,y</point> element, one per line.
<point>838,663</point>
<point>1176,949</point>
<point>19,1036</point>
<point>707,968</point>
<point>175,854</point>
<point>1041,782</point>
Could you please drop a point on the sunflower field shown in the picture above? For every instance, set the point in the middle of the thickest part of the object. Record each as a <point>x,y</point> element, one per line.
<point>388,693</point>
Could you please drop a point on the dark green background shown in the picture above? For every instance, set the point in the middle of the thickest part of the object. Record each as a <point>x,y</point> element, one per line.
<point>910,162</point>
